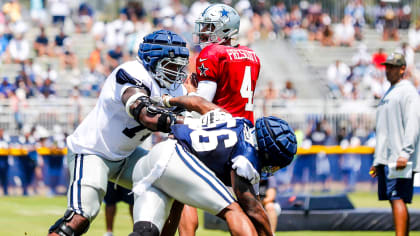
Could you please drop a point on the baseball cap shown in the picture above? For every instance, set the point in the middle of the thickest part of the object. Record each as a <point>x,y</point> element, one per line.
<point>395,59</point>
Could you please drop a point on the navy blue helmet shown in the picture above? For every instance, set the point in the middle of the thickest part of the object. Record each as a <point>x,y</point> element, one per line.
<point>165,55</point>
<point>276,143</point>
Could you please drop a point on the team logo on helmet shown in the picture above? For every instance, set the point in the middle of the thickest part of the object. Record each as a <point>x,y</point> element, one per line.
<point>217,23</point>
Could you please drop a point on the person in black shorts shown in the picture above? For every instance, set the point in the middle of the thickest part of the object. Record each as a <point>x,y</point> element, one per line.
<point>115,194</point>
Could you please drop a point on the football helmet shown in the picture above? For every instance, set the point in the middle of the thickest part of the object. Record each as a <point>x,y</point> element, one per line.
<point>217,23</point>
<point>276,144</point>
<point>165,55</point>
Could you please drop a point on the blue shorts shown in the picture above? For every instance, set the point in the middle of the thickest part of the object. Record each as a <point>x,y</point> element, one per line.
<point>58,19</point>
<point>393,189</point>
<point>113,195</point>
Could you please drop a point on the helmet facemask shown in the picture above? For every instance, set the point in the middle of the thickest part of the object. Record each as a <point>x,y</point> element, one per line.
<point>209,32</point>
<point>268,169</point>
<point>170,72</point>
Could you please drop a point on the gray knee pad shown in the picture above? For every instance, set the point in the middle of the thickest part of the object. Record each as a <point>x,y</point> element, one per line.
<point>144,228</point>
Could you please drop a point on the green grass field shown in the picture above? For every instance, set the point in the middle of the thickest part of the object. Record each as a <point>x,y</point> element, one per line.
<point>31,216</point>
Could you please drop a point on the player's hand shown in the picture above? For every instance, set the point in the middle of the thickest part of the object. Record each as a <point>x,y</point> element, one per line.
<point>191,83</point>
<point>372,171</point>
<point>161,101</point>
<point>157,100</point>
<point>401,163</point>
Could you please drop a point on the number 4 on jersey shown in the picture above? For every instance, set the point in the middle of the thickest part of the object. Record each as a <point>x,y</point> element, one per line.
<point>246,89</point>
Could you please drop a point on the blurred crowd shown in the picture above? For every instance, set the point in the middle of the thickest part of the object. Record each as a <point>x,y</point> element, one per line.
<point>32,163</point>
<point>325,168</point>
<point>365,77</point>
<point>55,30</point>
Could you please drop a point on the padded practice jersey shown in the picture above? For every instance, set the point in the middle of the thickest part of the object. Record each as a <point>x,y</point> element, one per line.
<point>108,131</point>
<point>222,146</point>
<point>235,70</point>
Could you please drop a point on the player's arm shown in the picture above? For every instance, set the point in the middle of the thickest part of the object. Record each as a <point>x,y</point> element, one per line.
<point>249,202</point>
<point>191,103</point>
<point>139,106</point>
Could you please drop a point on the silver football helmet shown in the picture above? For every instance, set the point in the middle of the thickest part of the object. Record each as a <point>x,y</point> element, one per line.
<point>217,23</point>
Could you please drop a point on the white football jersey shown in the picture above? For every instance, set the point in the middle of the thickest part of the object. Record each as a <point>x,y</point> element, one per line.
<point>108,131</point>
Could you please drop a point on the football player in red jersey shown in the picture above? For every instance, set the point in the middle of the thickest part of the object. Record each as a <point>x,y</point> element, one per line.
<point>226,74</point>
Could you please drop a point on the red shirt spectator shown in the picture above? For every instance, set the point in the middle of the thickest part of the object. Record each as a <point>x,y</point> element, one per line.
<point>378,58</point>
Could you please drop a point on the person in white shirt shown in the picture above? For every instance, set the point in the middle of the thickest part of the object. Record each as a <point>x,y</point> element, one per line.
<point>105,146</point>
<point>19,49</point>
<point>397,141</point>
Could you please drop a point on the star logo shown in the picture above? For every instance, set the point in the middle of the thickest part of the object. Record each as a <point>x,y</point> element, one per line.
<point>203,70</point>
<point>224,12</point>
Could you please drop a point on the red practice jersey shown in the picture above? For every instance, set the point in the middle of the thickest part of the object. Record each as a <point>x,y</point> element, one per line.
<point>235,70</point>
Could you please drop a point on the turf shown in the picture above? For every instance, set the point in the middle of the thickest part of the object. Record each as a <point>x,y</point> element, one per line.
<point>32,216</point>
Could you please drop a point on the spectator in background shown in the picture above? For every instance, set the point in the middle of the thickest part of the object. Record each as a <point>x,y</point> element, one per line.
<point>84,19</point>
<point>38,14</point>
<point>361,64</point>
<point>59,10</point>
<point>91,83</point>
<point>12,10</point>
<point>17,103</point>
<point>379,85</point>
<point>4,164</point>
<point>278,16</point>
<point>356,10</point>
<point>6,86</point>
<point>337,74</point>
<point>293,21</point>
<point>404,17</point>
<point>68,60</point>
<point>289,91</point>
<point>53,161</point>
<point>261,20</point>
<point>114,57</point>
<point>18,49</point>
<point>380,11</point>
<point>46,88</point>
<point>350,163</point>
<point>314,21</point>
<point>305,168</point>
<point>327,36</point>
<point>59,42</point>
<point>269,94</point>
<point>414,36</point>
<point>4,41</point>
<point>23,82</point>
<point>94,61</point>
<point>378,58</point>
<point>323,170</point>
<point>27,162</point>
<point>41,43</point>
<point>397,142</point>
<point>115,194</point>
<point>362,57</point>
<point>390,30</point>
<point>318,135</point>
<point>344,32</point>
